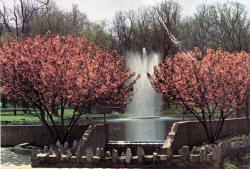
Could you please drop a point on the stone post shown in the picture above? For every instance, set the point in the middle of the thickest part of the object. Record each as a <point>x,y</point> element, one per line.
<point>236,144</point>
<point>98,152</point>
<point>78,155</point>
<point>68,155</point>
<point>184,153</point>
<point>102,154</point>
<point>203,155</point>
<point>128,155</point>
<point>114,156</point>
<point>46,149</point>
<point>140,154</point>
<point>108,154</point>
<point>33,154</point>
<point>58,153</point>
<point>167,151</point>
<point>154,157</point>
<point>89,155</point>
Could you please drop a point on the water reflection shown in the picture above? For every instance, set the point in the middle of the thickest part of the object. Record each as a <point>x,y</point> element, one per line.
<point>145,130</point>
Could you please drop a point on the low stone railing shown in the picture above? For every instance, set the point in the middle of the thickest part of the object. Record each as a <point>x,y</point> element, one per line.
<point>192,133</point>
<point>209,155</point>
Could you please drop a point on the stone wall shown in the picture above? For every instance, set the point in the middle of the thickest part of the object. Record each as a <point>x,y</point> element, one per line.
<point>208,156</point>
<point>93,137</point>
<point>37,135</point>
<point>192,132</point>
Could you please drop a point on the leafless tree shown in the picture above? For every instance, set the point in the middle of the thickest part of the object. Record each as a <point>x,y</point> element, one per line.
<point>21,13</point>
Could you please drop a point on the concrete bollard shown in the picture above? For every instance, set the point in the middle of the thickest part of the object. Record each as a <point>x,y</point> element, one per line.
<point>89,155</point>
<point>98,152</point>
<point>122,159</point>
<point>33,154</point>
<point>58,153</point>
<point>140,154</point>
<point>102,154</point>
<point>45,149</point>
<point>203,155</point>
<point>51,149</point>
<point>115,156</point>
<point>78,155</point>
<point>58,144</point>
<point>209,158</point>
<point>128,155</point>
<point>108,154</point>
<point>68,155</point>
<point>244,141</point>
<point>65,145</point>
<point>194,158</point>
<point>248,140</point>
<point>154,157</point>
<point>167,151</point>
<point>184,153</point>
<point>236,144</point>
<point>75,144</point>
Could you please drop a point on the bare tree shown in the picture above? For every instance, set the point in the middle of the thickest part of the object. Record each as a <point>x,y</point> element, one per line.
<point>5,16</point>
<point>123,30</point>
<point>169,12</point>
<point>224,26</point>
<point>21,13</point>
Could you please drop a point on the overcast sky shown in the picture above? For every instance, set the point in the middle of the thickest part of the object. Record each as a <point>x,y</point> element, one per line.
<point>97,10</point>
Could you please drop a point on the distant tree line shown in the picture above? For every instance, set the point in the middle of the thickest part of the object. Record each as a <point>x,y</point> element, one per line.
<point>224,26</point>
<point>36,17</point>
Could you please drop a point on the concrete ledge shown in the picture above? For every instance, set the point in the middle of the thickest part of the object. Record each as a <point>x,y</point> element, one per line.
<point>37,135</point>
<point>192,133</point>
<point>21,150</point>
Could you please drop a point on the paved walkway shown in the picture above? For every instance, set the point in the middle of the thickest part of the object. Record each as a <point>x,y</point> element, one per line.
<point>11,160</point>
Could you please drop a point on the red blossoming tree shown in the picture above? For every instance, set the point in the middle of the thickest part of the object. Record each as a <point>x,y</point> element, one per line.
<point>48,72</point>
<point>216,85</point>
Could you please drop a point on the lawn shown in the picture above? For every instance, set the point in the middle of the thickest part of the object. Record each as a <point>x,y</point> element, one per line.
<point>22,118</point>
<point>177,112</point>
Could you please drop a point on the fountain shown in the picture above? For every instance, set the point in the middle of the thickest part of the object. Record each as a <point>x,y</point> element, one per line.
<point>144,109</point>
<point>144,127</point>
<point>146,103</point>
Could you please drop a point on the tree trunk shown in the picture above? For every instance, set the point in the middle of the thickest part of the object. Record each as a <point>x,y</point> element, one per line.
<point>212,140</point>
<point>14,107</point>
<point>4,101</point>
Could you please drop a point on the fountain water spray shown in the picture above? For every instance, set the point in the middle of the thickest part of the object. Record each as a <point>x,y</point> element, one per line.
<point>146,103</point>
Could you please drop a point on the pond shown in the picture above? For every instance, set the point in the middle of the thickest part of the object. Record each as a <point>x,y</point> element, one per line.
<point>153,129</point>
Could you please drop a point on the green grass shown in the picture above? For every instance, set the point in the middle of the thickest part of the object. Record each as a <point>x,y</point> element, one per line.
<point>229,164</point>
<point>22,118</point>
<point>178,112</point>
<point>236,162</point>
<point>233,139</point>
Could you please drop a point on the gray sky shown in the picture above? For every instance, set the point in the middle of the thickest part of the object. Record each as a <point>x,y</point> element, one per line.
<point>97,10</point>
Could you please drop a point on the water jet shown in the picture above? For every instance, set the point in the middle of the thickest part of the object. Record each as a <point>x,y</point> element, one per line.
<point>146,104</point>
